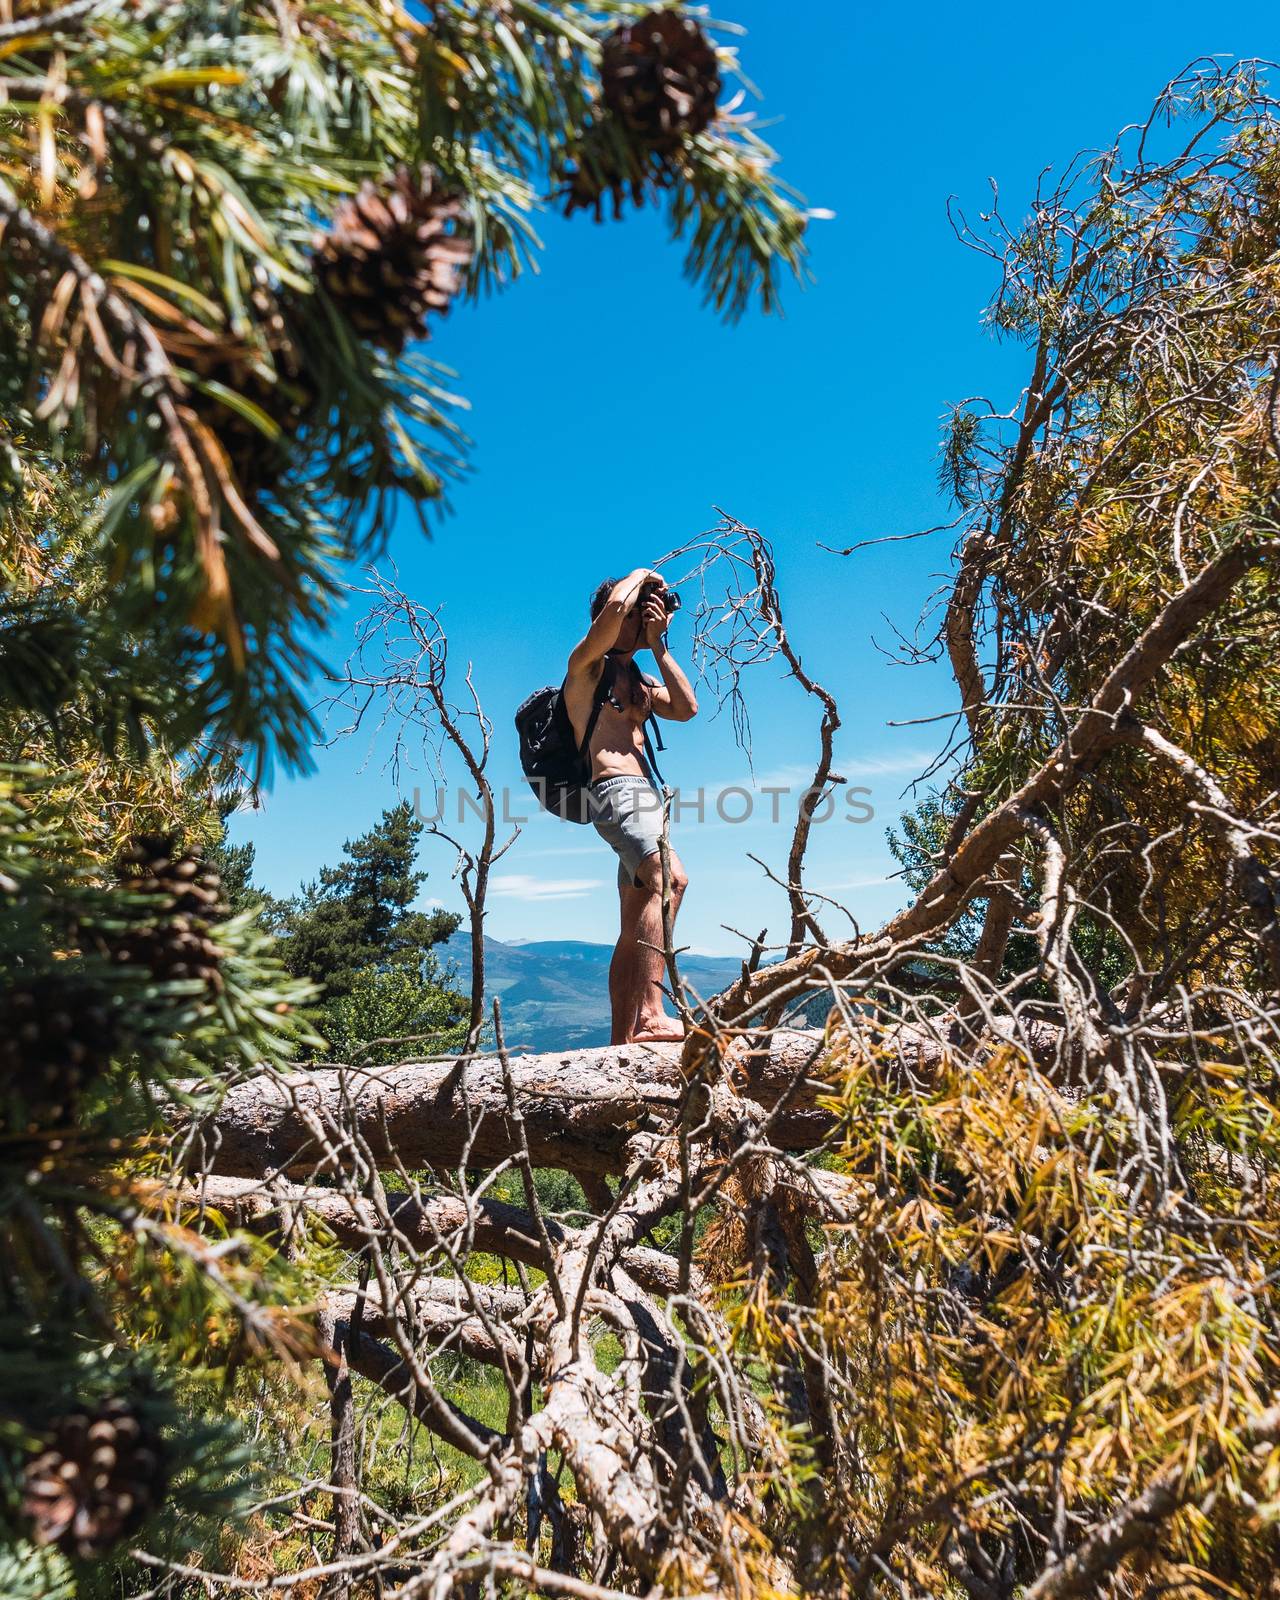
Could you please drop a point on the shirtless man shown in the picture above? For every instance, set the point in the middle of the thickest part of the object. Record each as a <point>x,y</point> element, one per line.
<point>625,807</point>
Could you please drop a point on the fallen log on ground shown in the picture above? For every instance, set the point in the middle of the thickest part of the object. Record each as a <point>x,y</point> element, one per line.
<point>422,1222</point>
<point>580,1108</point>
<point>442,1317</point>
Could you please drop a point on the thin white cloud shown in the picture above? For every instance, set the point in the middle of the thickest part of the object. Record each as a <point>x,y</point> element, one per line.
<point>913,762</point>
<point>797,775</point>
<point>852,765</point>
<point>522,886</point>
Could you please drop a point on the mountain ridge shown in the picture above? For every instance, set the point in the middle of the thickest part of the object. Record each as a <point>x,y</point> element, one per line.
<point>555,992</point>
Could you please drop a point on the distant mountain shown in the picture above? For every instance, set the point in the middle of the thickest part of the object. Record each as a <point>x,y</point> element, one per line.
<point>555,992</point>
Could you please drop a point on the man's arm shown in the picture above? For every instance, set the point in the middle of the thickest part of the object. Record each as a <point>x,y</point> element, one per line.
<point>603,633</point>
<point>673,698</point>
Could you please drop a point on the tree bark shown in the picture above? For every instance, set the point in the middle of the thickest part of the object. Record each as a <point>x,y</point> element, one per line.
<point>580,1108</point>
<point>344,1475</point>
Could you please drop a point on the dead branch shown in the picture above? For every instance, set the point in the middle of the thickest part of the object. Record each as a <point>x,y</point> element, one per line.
<point>400,667</point>
<point>742,628</point>
<point>975,857</point>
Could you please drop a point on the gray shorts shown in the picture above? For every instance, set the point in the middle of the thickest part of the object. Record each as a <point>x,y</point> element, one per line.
<point>627,813</point>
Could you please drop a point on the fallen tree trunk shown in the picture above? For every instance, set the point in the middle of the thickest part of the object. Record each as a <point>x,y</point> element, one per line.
<point>422,1223</point>
<point>580,1108</point>
<point>441,1318</point>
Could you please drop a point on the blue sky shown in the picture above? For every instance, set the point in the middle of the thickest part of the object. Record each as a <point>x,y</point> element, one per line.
<point>610,412</point>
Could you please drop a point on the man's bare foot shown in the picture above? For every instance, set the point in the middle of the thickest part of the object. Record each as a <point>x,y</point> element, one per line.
<point>659,1030</point>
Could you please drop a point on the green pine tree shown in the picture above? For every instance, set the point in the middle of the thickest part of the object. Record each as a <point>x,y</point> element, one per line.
<point>235,862</point>
<point>360,913</point>
<point>394,1013</point>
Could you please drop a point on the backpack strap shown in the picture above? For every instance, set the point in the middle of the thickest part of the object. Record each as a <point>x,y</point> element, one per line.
<point>649,759</point>
<point>597,705</point>
<point>657,735</point>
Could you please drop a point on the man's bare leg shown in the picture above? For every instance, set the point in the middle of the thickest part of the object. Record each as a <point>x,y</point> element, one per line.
<point>652,1024</point>
<point>622,1002</point>
<point>628,971</point>
<point>638,967</point>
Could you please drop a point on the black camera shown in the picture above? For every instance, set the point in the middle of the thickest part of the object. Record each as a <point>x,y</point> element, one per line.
<point>669,598</point>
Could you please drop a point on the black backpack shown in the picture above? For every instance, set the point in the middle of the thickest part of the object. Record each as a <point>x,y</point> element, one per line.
<point>557,767</point>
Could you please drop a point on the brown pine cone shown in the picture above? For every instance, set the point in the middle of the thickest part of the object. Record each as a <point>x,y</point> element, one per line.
<point>175,943</point>
<point>660,77</point>
<point>99,1475</point>
<point>56,1036</point>
<point>393,254</point>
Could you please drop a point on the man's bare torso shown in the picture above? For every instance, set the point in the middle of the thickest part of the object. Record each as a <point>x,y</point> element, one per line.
<point>618,740</point>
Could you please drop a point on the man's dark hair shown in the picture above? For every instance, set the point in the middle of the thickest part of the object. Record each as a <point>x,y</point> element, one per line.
<point>600,595</point>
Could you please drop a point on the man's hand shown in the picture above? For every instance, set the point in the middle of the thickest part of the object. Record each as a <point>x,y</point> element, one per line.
<point>653,620</point>
<point>628,589</point>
